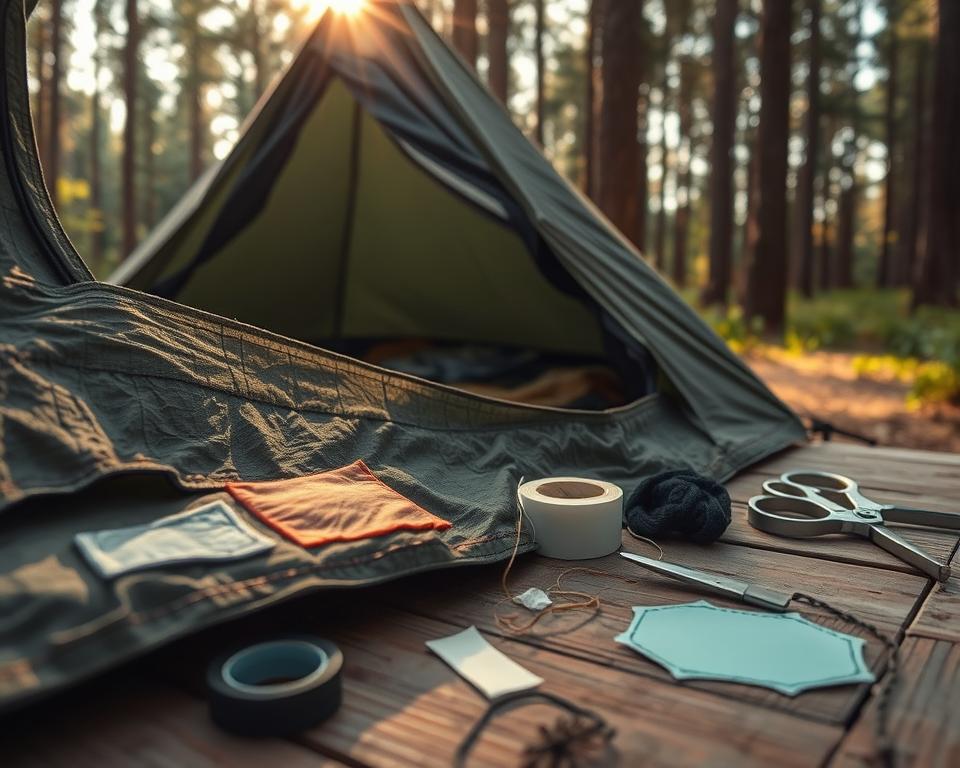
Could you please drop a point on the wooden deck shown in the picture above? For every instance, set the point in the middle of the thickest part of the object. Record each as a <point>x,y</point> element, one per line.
<point>402,706</point>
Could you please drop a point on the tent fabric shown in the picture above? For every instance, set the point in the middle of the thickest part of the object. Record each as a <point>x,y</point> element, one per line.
<point>118,408</point>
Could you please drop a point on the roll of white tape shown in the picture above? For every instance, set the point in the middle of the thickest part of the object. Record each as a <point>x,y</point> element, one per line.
<point>574,518</point>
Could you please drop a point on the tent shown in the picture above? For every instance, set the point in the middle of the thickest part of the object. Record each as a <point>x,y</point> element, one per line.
<point>379,192</point>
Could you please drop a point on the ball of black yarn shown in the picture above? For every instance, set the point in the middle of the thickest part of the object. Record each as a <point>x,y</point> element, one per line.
<point>679,502</point>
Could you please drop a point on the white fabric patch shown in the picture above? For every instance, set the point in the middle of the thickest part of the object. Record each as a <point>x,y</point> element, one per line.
<point>210,533</point>
<point>482,665</point>
<point>534,599</point>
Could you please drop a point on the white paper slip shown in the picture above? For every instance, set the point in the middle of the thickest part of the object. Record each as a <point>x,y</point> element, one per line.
<point>211,533</point>
<point>482,665</point>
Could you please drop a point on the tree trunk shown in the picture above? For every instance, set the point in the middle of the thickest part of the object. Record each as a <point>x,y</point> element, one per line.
<point>590,133</point>
<point>643,185</point>
<point>825,256</point>
<point>130,70</point>
<point>885,266</point>
<point>660,236</point>
<point>40,116</point>
<point>52,171</point>
<point>618,114</point>
<point>721,152</point>
<point>498,21</point>
<point>938,269</point>
<point>767,272</point>
<point>196,104</point>
<point>541,68</point>
<point>911,209</point>
<point>805,258</point>
<point>96,180</point>
<point>849,194</point>
<point>681,218</point>
<point>149,167</point>
<point>846,209</point>
<point>256,52</point>
<point>465,29</point>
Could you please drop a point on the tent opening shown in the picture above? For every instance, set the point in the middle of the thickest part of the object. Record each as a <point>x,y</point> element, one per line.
<point>343,233</point>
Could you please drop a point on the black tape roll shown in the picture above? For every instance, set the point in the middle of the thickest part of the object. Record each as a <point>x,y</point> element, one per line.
<point>275,688</point>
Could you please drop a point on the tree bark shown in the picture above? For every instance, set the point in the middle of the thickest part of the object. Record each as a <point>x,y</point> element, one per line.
<point>130,70</point>
<point>767,273</point>
<point>498,21</point>
<point>40,116</point>
<point>681,217</point>
<point>54,127</point>
<point>846,209</point>
<point>805,194</point>
<point>149,167</point>
<point>643,184</point>
<point>885,264</point>
<point>938,268</point>
<point>721,152</point>
<point>849,194</point>
<point>660,235</point>
<point>618,148</point>
<point>590,133</point>
<point>465,29</point>
<point>825,256</point>
<point>911,209</point>
<point>194,80</point>
<point>96,181</point>
<point>541,68</point>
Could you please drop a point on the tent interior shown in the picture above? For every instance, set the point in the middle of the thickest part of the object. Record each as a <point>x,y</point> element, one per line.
<point>384,237</point>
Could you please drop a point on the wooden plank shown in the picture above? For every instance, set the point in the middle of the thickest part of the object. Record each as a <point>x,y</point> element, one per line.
<point>403,706</point>
<point>130,722</point>
<point>939,616</point>
<point>844,549</point>
<point>883,597</point>
<point>940,497</point>
<point>915,455</point>
<point>924,720</point>
<point>873,470</point>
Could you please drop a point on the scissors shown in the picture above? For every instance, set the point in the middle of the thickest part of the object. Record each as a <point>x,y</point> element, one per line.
<point>803,504</point>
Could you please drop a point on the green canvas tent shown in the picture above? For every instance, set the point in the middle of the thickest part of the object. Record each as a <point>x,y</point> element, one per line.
<point>379,192</point>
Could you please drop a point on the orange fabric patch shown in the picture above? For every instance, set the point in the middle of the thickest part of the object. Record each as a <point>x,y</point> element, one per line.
<point>343,504</point>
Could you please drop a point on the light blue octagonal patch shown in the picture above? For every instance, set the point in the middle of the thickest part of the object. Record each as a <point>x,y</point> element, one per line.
<point>782,651</point>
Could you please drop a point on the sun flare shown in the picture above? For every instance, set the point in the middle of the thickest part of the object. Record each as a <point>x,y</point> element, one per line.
<point>346,7</point>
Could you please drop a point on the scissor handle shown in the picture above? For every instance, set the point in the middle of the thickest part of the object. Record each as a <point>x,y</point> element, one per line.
<point>792,516</point>
<point>822,481</point>
<point>792,490</point>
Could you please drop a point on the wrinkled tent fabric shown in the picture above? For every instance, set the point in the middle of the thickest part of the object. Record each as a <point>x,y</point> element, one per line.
<point>108,394</point>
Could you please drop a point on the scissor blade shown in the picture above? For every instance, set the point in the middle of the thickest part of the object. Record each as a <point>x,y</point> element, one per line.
<point>722,585</point>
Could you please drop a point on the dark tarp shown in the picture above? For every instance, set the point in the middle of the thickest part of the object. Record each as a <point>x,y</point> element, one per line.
<point>106,394</point>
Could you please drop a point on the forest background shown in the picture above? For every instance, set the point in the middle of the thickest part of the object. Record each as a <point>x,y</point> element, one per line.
<point>791,166</point>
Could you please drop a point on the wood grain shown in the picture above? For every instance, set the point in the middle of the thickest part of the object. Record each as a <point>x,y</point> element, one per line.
<point>939,616</point>
<point>844,549</point>
<point>924,719</point>
<point>131,724</point>
<point>403,706</point>
<point>885,598</point>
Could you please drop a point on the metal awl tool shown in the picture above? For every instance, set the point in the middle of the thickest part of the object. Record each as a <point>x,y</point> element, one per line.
<point>721,585</point>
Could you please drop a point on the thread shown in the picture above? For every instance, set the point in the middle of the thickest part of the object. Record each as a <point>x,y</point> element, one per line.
<point>573,599</point>
<point>679,502</point>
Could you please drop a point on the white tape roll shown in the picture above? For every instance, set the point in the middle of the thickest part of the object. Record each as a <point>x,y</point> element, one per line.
<point>574,518</point>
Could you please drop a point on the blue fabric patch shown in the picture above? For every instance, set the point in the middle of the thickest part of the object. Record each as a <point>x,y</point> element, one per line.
<point>782,651</point>
<point>211,533</point>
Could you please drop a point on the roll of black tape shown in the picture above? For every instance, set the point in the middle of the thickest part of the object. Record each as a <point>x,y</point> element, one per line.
<point>276,688</point>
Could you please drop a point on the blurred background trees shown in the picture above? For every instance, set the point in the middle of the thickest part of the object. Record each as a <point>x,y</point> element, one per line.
<point>755,151</point>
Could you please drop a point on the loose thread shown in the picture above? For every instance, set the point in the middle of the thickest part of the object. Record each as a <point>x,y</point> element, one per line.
<point>886,752</point>
<point>574,600</point>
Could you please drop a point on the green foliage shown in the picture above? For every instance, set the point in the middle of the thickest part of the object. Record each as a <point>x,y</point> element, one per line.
<point>921,348</point>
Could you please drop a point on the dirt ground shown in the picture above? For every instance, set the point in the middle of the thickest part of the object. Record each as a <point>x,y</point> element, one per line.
<point>824,385</point>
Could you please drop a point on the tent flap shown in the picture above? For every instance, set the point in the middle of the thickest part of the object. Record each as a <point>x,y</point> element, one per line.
<point>118,407</point>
